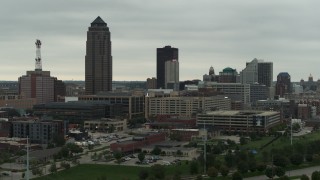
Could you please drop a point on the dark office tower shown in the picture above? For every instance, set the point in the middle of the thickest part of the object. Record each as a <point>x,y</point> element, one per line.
<point>98,68</point>
<point>265,73</point>
<point>283,85</point>
<point>164,54</point>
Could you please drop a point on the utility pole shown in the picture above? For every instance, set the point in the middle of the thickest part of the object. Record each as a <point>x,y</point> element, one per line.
<point>27,172</point>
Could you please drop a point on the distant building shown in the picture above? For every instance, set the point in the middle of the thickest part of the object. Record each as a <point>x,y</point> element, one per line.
<point>152,83</point>
<point>239,121</point>
<point>165,54</point>
<point>283,85</point>
<point>41,132</point>
<point>39,84</point>
<point>106,125</point>
<point>258,92</point>
<point>133,102</point>
<point>78,111</point>
<point>257,71</point>
<point>138,141</point>
<point>228,75</point>
<point>172,74</point>
<point>184,106</point>
<point>235,91</point>
<point>172,122</point>
<point>98,60</point>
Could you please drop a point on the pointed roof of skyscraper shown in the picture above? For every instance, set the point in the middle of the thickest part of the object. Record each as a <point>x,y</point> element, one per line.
<point>98,22</point>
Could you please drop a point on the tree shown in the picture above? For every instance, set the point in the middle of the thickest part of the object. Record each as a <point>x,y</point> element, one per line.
<point>111,128</point>
<point>243,167</point>
<point>37,171</point>
<point>58,140</point>
<point>53,168</point>
<point>237,176</point>
<point>229,159</point>
<point>315,175</point>
<point>280,160</point>
<point>141,156</point>
<point>279,171</point>
<point>224,170</point>
<point>284,178</point>
<point>156,151</point>
<point>270,172</point>
<point>143,174</point>
<point>212,172</point>
<point>243,140</point>
<point>296,159</point>
<point>117,155</point>
<point>177,175</point>
<point>304,177</point>
<point>309,157</point>
<point>158,171</point>
<point>261,167</point>
<point>193,167</point>
<point>65,165</point>
<point>179,153</point>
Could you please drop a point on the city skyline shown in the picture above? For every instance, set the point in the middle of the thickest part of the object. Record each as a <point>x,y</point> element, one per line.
<point>219,34</point>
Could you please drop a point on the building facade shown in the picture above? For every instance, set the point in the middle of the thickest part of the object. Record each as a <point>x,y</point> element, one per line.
<point>184,106</point>
<point>172,74</point>
<point>283,85</point>
<point>106,125</point>
<point>165,54</point>
<point>132,102</point>
<point>98,60</point>
<point>239,121</point>
<point>41,132</point>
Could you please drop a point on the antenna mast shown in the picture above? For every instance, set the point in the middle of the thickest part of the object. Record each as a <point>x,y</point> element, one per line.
<point>38,55</point>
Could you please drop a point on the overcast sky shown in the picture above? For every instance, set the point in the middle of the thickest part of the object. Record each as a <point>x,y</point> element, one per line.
<point>218,33</point>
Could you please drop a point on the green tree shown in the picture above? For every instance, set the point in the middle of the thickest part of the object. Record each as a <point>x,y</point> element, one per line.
<point>296,159</point>
<point>156,151</point>
<point>243,167</point>
<point>270,172</point>
<point>315,175</point>
<point>141,156</point>
<point>280,171</point>
<point>53,168</point>
<point>179,153</point>
<point>304,177</point>
<point>117,155</point>
<point>58,140</point>
<point>280,160</point>
<point>243,140</point>
<point>212,172</point>
<point>224,170</point>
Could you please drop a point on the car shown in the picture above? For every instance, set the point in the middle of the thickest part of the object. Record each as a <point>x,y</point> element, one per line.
<point>5,174</point>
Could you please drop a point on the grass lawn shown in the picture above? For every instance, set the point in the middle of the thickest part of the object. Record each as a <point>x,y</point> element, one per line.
<point>94,171</point>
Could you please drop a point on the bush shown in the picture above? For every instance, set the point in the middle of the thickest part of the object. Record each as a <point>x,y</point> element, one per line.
<point>261,167</point>
<point>309,157</point>
<point>143,174</point>
<point>65,165</point>
<point>224,170</point>
<point>270,172</point>
<point>296,159</point>
<point>279,171</point>
<point>315,175</point>
<point>213,172</point>
<point>304,177</point>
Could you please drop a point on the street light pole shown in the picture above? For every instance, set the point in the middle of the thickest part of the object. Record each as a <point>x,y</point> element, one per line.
<point>27,172</point>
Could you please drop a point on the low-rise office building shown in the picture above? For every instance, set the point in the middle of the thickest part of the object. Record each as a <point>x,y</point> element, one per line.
<point>132,102</point>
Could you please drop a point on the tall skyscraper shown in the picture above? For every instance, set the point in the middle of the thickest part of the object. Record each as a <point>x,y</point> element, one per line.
<point>164,54</point>
<point>98,60</point>
<point>172,74</point>
<point>257,71</point>
<point>39,84</point>
<point>283,85</point>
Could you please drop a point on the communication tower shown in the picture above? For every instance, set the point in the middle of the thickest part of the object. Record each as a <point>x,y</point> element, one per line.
<point>38,55</point>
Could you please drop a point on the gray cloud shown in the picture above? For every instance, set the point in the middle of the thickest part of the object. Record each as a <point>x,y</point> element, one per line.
<point>218,33</point>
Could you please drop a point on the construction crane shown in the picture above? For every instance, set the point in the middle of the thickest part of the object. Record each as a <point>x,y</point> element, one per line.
<point>38,55</point>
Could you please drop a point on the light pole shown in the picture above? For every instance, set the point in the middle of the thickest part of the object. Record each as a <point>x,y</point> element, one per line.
<point>291,130</point>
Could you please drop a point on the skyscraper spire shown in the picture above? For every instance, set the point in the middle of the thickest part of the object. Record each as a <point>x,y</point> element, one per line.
<point>38,56</point>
